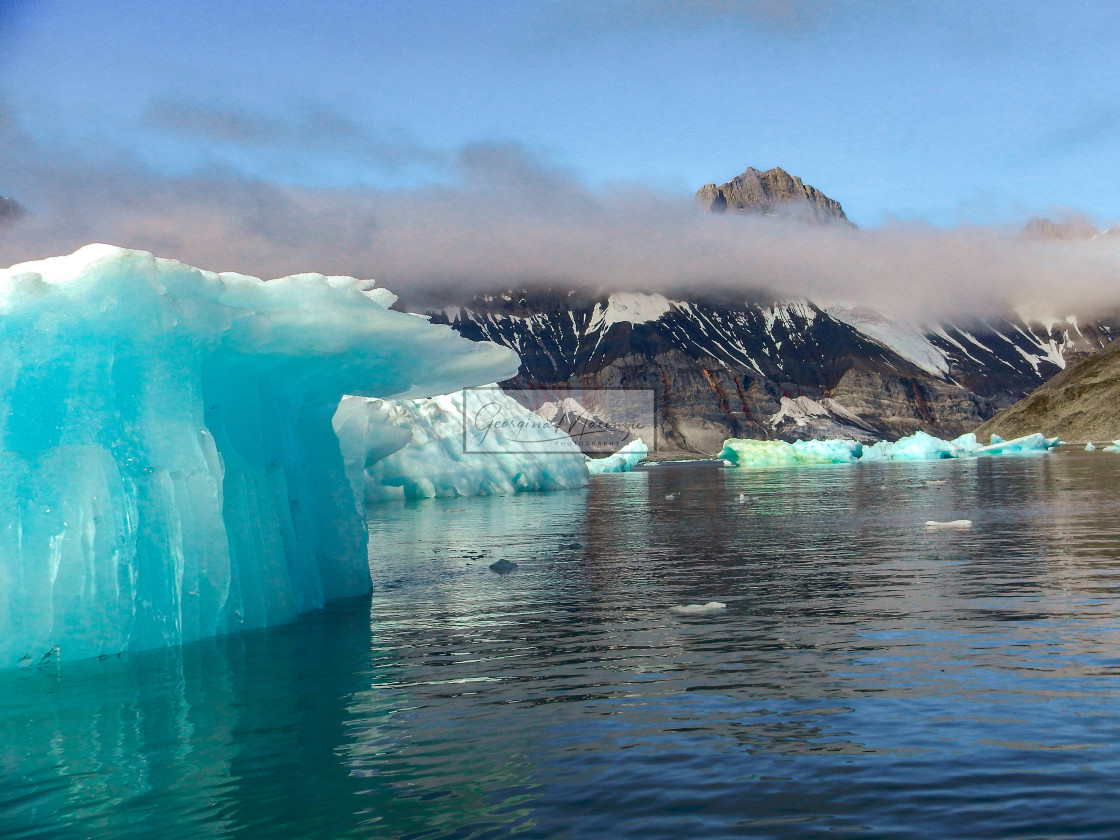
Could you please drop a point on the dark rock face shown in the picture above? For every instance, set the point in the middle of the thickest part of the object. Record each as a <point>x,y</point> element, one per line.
<point>772,193</point>
<point>1080,404</point>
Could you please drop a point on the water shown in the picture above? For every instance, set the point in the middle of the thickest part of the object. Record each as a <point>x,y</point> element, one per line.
<point>867,676</point>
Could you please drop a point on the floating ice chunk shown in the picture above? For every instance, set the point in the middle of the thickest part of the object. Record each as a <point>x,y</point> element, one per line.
<point>919,446</point>
<point>1089,447</point>
<point>168,469</point>
<point>951,524</point>
<point>474,442</point>
<point>1026,445</point>
<point>623,460</point>
<point>777,453</point>
<point>1114,448</point>
<point>698,609</point>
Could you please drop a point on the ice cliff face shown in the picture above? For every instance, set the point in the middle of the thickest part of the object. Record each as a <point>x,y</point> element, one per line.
<point>168,469</point>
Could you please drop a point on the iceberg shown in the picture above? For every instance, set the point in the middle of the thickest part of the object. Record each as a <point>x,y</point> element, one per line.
<point>168,466</point>
<point>623,460</point>
<point>1115,447</point>
<point>474,442</point>
<point>919,446</point>
<point>777,453</point>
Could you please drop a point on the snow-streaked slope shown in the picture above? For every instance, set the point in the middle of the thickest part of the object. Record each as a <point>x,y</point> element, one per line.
<point>908,340</point>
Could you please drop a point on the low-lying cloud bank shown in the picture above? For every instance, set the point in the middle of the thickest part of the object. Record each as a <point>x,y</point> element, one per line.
<point>504,219</point>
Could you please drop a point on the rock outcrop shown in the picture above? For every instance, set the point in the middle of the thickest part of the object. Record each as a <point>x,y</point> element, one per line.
<point>772,193</point>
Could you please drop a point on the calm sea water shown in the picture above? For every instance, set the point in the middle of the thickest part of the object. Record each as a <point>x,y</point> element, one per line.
<point>867,676</point>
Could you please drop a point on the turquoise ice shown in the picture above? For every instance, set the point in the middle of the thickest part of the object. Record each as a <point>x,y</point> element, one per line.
<point>624,460</point>
<point>916,447</point>
<point>168,468</point>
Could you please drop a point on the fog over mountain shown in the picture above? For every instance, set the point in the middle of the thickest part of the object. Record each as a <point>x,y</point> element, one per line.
<point>503,218</point>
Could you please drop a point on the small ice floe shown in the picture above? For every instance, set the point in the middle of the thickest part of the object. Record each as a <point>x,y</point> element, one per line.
<point>742,498</point>
<point>956,524</point>
<point>934,483</point>
<point>698,609</point>
<point>672,497</point>
<point>1089,447</point>
<point>1114,448</point>
<point>503,567</point>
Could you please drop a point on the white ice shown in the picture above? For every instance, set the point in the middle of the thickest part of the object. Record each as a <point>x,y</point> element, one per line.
<point>950,524</point>
<point>623,460</point>
<point>474,442</point>
<point>168,469</point>
<point>698,609</point>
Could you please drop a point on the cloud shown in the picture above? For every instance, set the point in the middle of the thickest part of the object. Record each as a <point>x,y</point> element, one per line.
<point>506,219</point>
<point>315,131</point>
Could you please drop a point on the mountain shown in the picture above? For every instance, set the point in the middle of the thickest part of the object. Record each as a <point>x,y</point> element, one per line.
<point>999,358</point>
<point>9,210</point>
<point>1082,403</point>
<point>756,366</point>
<point>772,193</point>
<point>716,368</point>
<point>1072,227</point>
<point>719,367</point>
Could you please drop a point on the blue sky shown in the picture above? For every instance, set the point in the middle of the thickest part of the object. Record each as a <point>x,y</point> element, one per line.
<point>944,112</point>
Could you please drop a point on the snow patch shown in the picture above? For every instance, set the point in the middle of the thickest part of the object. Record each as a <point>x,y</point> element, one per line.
<point>907,340</point>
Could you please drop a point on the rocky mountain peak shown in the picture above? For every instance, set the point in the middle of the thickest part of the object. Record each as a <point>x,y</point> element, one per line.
<point>9,210</point>
<point>1073,227</point>
<point>772,193</point>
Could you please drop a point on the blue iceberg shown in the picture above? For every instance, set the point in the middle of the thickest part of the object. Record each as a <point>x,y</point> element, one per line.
<point>168,466</point>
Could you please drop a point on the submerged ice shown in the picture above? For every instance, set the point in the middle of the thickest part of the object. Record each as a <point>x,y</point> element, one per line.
<point>168,467</point>
<point>916,447</point>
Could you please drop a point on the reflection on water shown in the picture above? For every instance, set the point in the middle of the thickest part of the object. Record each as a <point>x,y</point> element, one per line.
<point>867,675</point>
